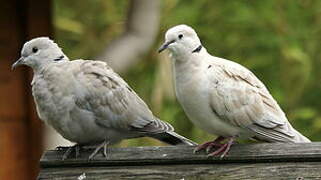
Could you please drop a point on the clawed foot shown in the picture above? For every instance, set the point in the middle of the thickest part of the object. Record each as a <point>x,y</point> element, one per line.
<point>223,148</point>
<point>75,148</point>
<point>208,146</point>
<point>102,145</point>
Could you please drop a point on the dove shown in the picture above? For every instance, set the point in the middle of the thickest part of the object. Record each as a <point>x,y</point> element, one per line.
<point>222,97</point>
<point>88,103</point>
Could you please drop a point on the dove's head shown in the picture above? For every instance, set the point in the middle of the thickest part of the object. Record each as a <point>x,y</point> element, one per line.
<point>180,40</point>
<point>39,52</point>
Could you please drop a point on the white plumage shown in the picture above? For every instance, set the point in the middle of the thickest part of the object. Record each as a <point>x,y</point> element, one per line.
<point>223,97</point>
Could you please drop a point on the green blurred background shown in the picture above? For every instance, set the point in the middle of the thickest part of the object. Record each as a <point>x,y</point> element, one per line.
<point>278,40</point>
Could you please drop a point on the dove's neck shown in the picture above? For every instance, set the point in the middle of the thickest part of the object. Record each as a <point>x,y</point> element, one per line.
<point>188,63</point>
<point>52,72</point>
<point>43,66</point>
<point>187,68</point>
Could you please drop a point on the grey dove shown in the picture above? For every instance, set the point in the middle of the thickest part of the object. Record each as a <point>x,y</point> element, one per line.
<point>223,97</point>
<point>87,102</point>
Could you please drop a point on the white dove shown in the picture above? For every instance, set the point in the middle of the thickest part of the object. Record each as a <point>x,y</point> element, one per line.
<point>223,97</point>
<point>87,102</point>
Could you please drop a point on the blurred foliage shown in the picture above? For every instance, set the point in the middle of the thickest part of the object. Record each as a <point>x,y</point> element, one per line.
<point>278,40</point>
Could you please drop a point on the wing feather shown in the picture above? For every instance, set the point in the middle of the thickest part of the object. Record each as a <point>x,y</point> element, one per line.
<point>242,100</point>
<point>113,102</point>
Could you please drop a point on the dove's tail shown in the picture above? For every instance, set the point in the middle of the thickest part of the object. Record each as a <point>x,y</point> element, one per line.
<point>173,138</point>
<point>284,134</point>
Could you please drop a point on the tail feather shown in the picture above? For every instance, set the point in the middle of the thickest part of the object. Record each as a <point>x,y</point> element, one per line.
<point>278,134</point>
<point>301,138</point>
<point>173,138</point>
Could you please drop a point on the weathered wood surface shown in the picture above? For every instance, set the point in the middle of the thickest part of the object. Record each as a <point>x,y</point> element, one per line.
<point>245,161</point>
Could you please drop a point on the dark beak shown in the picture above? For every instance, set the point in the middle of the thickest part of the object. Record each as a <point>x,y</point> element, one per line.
<point>17,63</point>
<point>165,46</point>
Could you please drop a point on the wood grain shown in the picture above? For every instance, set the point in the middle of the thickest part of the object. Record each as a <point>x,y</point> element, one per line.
<point>233,171</point>
<point>245,161</point>
<point>245,153</point>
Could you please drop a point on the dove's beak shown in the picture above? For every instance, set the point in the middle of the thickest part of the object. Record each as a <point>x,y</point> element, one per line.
<point>165,46</point>
<point>18,63</point>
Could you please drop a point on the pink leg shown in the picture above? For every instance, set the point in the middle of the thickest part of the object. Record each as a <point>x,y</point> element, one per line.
<point>209,145</point>
<point>224,149</point>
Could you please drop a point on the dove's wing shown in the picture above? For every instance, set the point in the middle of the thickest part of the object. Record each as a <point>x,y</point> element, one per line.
<point>113,102</point>
<point>242,100</point>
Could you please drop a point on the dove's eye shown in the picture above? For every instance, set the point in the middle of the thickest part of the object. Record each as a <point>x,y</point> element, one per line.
<point>34,49</point>
<point>180,36</point>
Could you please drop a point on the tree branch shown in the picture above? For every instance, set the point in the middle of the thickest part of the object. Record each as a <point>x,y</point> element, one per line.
<point>140,32</point>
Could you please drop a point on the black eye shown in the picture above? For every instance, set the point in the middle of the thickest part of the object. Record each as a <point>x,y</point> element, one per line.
<point>34,49</point>
<point>180,36</point>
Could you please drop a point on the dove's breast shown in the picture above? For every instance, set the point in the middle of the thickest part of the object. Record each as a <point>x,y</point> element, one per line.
<point>192,91</point>
<point>53,101</point>
<point>54,95</point>
<point>51,98</point>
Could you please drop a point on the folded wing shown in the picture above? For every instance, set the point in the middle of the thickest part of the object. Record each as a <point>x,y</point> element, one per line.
<point>242,100</point>
<point>113,102</point>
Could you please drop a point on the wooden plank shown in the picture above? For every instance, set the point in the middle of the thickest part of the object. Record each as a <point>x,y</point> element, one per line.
<point>14,147</point>
<point>234,171</point>
<point>240,153</point>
